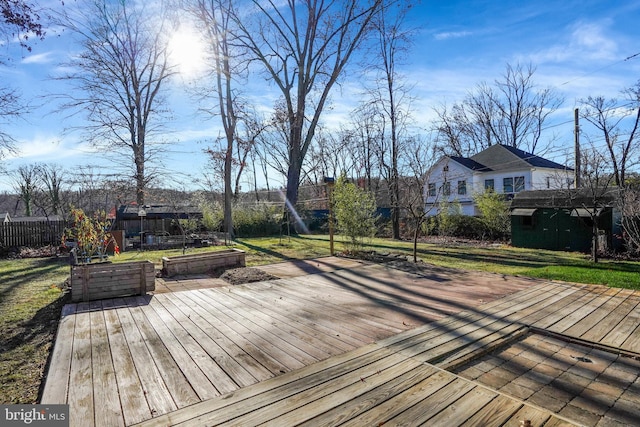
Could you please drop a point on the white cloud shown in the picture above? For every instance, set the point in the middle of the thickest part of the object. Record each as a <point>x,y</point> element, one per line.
<point>43,148</point>
<point>587,41</point>
<point>41,58</point>
<point>451,35</point>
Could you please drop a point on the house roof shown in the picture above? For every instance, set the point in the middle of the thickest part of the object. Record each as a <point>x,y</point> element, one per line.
<point>574,198</point>
<point>470,164</point>
<point>503,157</point>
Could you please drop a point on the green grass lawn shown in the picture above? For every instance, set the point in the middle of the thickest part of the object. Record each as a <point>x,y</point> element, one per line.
<point>31,290</point>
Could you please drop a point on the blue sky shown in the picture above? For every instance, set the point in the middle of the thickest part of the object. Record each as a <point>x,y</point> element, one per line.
<point>579,48</point>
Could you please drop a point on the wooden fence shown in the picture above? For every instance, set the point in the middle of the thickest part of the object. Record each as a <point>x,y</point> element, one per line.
<point>31,233</point>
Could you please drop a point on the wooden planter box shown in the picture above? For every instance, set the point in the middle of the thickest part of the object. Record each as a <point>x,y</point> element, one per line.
<point>106,280</point>
<point>202,263</point>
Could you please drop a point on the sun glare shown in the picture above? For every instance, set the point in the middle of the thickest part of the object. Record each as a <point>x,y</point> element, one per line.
<point>187,52</point>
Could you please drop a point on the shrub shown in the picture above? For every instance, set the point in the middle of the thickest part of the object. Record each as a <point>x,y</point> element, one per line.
<point>212,216</point>
<point>447,212</point>
<point>257,220</point>
<point>457,225</point>
<point>494,213</point>
<point>355,212</point>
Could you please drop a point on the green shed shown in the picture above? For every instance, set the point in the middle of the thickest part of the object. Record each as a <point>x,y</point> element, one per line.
<point>563,219</point>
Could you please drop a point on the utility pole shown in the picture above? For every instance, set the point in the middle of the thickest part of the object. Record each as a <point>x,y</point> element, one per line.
<point>576,132</point>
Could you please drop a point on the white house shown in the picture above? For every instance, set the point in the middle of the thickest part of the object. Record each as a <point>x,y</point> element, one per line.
<point>501,168</point>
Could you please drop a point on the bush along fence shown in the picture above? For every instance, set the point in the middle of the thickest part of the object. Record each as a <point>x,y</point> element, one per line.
<point>31,233</point>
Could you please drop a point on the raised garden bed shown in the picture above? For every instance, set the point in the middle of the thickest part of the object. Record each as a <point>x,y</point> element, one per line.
<point>203,262</point>
<point>91,282</point>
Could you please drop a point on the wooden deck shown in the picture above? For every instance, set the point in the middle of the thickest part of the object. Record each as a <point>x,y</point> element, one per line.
<point>363,346</point>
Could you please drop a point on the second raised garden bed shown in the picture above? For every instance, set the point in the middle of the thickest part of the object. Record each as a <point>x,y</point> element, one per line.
<point>202,262</point>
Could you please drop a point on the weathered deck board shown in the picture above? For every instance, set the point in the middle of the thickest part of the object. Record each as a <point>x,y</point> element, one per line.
<point>625,328</point>
<point>331,341</point>
<point>132,396</point>
<point>216,340</point>
<point>327,349</point>
<point>611,320</point>
<point>280,334</point>
<point>494,413</point>
<point>155,389</point>
<point>81,378</point>
<point>105,387</point>
<point>185,352</point>
<point>179,388</point>
<point>58,375</point>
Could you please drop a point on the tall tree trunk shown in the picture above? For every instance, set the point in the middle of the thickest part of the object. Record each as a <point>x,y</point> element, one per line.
<point>594,243</point>
<point>140,180</point>
<point>228,193</point>
<point>293,182</point>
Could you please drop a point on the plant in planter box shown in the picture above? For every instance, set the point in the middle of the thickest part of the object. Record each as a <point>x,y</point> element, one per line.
<point>91,235</point>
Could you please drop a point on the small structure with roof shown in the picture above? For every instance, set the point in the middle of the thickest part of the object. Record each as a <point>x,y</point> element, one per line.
<point>156,219</point>
<point>564,219</point>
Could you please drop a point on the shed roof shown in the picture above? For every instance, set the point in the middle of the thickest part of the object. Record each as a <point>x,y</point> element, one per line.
<point>159,212</point>
<point>573,198</point>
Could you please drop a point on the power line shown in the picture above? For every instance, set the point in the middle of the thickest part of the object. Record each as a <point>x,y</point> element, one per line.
<point>635,55</point>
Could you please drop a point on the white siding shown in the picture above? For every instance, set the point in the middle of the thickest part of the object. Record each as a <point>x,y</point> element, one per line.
<point>557,179</point>
<point>447,170</point>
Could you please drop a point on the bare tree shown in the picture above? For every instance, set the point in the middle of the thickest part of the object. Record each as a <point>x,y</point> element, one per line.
<point>26,184</point>
<point>390,94</point>
<point>617,123</point>
<point>331,155</point>
<point>367,138</point>
<point>595,193</point>
<point>271,147</point>
<point>304,48</point>
<point>53,185</point>
<point>88,181</point>
<point>511,112</point>
<point>121,70</point>
<point>248,131</point>
<point>630,221</point>
<point>10,109</point>
<point>214,19</point>
<point>419,158</point>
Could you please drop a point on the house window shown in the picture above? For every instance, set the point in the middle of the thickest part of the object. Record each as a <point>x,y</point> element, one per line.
<point>548,182</point>
<point>507,185</point>
<point>446,188</point>
<point>432,189</point>
<point>513,185</point>
<point>489,184</point>
<point>462,187</point>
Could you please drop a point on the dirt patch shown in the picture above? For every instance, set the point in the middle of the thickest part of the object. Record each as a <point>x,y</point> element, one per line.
<point>238,276</point>
<point>374,256</point>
